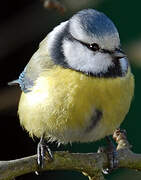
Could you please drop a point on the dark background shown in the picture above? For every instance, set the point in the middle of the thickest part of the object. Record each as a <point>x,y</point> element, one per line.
<point>23,24</point>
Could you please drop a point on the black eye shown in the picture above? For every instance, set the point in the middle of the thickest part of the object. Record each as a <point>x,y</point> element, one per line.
<point>94,47</point>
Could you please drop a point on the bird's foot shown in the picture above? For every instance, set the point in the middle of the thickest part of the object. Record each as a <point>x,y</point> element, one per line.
<point>111,152</point>
<point>43,152</point>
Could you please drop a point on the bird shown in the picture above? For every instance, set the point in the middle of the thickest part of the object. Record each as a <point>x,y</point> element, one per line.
<point>78,86</point>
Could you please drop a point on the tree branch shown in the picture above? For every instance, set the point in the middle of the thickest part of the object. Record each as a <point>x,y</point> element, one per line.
<point>89,164</point>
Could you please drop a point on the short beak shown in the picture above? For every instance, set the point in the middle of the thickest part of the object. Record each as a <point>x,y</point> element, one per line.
<point>118,53</point>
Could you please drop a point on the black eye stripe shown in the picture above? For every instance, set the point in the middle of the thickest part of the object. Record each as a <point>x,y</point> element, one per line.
<point>106,51</point>
<point>93,46</point>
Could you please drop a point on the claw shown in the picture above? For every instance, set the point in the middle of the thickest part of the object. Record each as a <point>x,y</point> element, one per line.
<point>43,152</point>
<point>112,156</point>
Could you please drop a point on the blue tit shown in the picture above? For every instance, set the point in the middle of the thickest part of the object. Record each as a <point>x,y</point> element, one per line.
<point>78,85</point>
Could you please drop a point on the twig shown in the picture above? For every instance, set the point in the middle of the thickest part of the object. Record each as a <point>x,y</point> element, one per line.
<point>89,164</point>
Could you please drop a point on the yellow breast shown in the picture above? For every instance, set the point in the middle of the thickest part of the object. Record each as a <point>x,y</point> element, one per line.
<point>62,103</point>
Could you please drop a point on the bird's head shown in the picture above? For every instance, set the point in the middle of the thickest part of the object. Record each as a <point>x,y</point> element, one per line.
<point>88,42</point>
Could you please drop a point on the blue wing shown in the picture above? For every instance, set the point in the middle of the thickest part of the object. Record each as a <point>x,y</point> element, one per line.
<point>25,82</point>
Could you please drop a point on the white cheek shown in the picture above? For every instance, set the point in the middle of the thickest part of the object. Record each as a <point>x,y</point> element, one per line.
<point>81,58</point>
<point>101,62</point>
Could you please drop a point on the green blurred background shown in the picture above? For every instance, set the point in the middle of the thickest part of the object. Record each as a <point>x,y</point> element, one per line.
<point>23,24</point>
